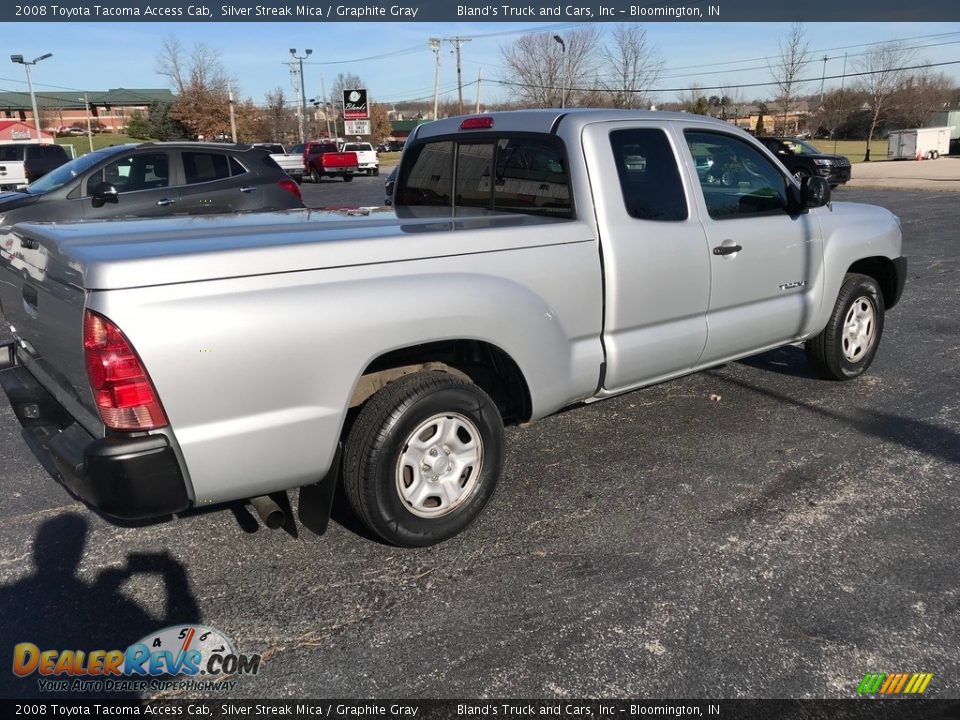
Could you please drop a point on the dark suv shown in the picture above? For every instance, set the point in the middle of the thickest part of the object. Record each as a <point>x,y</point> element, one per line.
<point>804,160</point>
<point>155,179</point>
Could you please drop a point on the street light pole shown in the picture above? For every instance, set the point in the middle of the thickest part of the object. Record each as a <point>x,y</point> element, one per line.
<point>18,59</point>
<point>565,71</point>
<point>435,46</point>
<point>86,106</point>
<point>303,91</point>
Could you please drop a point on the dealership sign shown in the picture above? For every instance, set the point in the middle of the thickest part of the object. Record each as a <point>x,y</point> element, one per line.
<point>356,127</point>
<point>355,105</point>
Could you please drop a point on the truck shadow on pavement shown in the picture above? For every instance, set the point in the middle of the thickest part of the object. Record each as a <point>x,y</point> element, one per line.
<point>55,609</point>
<point>918,435</point>
<point>789,360</point>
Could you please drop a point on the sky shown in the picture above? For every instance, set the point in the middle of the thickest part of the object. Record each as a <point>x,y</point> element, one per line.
<point>99,56</point>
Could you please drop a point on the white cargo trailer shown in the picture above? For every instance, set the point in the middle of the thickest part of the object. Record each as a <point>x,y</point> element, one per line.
<point>918,143</point>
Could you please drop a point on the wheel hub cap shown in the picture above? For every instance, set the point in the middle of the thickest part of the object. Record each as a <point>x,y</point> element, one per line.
<point>859,329</point>
<point>439,465</point>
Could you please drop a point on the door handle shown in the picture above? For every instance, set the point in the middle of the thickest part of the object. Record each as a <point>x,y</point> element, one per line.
<point>726,249</point>
<point>248,188</point>
<point>165,202</point>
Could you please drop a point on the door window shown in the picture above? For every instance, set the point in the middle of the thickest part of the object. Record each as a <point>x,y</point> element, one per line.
<point>144,171</point>
<point>201,167</point>
<point>649,175</point>
<point>736,178</point>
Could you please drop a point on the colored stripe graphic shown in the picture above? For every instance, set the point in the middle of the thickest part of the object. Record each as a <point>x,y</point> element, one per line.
<point>871,683</point>
<point>894,683</point>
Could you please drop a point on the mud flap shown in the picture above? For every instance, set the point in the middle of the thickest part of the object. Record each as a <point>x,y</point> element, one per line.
<point>316,500</point>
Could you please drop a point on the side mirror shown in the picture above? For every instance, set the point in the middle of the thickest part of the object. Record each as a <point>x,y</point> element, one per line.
<point>103,193</point>
<point>815,192</point>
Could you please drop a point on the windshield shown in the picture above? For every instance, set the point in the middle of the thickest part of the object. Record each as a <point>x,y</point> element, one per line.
<point>65,173</point>
<point>802,147</point>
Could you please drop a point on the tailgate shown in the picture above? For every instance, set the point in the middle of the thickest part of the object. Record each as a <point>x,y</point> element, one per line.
<point>42,302</point>
<point>339,160</point>
<point>12,174</point>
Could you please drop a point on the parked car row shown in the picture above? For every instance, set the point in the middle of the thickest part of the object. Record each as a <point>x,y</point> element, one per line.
<point>325,158</point>
<point>22,163</point>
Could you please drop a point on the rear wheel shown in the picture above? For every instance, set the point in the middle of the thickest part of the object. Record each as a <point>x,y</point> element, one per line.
<point>348,178</point>
<point>376,171</point>
<point>848,344</point>
<point>423,458</point>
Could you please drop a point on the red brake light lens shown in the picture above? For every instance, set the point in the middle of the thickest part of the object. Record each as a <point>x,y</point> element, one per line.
<point>124,394</point>
<point>290,185</point>
<point>477,123</point>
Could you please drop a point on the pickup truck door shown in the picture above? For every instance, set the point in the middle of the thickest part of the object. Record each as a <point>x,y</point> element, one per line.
<point>765,262</point>
<point>655,256</point>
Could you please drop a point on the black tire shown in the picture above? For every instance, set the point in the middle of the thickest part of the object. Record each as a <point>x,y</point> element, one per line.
<point>800,174</point>
<point>376,171</point>
<point>348,178</point>
<point>376,443</point>
<point>826,352</point>
<point>314,175</point>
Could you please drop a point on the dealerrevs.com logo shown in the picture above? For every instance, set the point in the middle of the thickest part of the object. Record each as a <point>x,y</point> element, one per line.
<point>200,657</point>
<point>894,683</point>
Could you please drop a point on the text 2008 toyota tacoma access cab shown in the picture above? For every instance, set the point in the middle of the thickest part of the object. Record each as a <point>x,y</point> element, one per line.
<point>537,259</point>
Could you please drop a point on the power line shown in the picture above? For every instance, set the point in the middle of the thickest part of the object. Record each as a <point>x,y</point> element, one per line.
<point>728,86</point>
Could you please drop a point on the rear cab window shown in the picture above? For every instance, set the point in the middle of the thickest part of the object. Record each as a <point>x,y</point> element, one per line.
<point>201,167</point>
<point>522,173</point>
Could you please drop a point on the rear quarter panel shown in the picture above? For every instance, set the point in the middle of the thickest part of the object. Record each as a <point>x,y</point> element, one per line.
<point>256,373</point>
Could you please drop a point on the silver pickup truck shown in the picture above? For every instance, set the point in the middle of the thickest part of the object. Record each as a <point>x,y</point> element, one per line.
<point>534,260</point>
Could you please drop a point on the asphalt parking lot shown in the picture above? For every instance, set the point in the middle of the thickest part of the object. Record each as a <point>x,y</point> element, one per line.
<point>780,542</point>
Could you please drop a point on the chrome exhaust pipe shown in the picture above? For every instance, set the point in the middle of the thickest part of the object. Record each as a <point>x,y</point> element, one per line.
<point>269,512</point>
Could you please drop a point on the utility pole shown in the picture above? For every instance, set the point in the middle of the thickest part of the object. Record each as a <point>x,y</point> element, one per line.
<point>18,59</point>
<point>435,46</point>
<point>457,42</point>
<point>843,77</point>
<point>479,80</point>
<point>823,77</point>
<point>86,105</point>
<point>326,110</point>
<point>233,119</point>
<point>303,91</point>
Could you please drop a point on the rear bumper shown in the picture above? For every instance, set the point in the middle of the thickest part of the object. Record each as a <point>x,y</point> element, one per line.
<point>124,477</point>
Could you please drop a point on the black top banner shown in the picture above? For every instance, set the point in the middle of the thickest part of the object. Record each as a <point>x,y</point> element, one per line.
<point>480,11</point>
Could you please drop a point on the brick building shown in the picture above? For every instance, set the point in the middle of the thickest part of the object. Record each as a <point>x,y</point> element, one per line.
<point>111,108</point>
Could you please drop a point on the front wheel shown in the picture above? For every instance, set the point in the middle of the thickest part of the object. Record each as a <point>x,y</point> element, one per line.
<point>848,344</point>
<point>423,458</point>
<point>800,174</point>
<point>314,175</point>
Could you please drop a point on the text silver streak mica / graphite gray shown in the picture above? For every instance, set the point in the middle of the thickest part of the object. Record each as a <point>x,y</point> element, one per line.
<point>260,332</point>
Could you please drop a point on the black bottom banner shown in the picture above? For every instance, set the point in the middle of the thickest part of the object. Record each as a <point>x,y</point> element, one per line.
<point>927,709</point>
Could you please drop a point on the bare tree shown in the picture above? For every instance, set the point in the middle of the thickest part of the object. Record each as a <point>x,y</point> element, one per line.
<point>694,100</point>
<point>787,67</point>
<point>632,65</point>
<point>202,85</point>
<point>538,68</point>
<point>921,94</point>
<point>280,116</point>
<point>884,71</point>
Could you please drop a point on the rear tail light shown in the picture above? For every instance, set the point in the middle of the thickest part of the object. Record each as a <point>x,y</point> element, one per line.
<point>125,396</point>
<point>290,185</point>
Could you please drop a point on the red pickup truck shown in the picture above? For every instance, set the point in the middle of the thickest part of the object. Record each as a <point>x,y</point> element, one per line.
<point>324,158</point>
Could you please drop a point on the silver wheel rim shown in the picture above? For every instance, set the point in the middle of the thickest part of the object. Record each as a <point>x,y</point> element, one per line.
<point>859,329</point>
<point>800,175</point>
<point>439,465</point>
